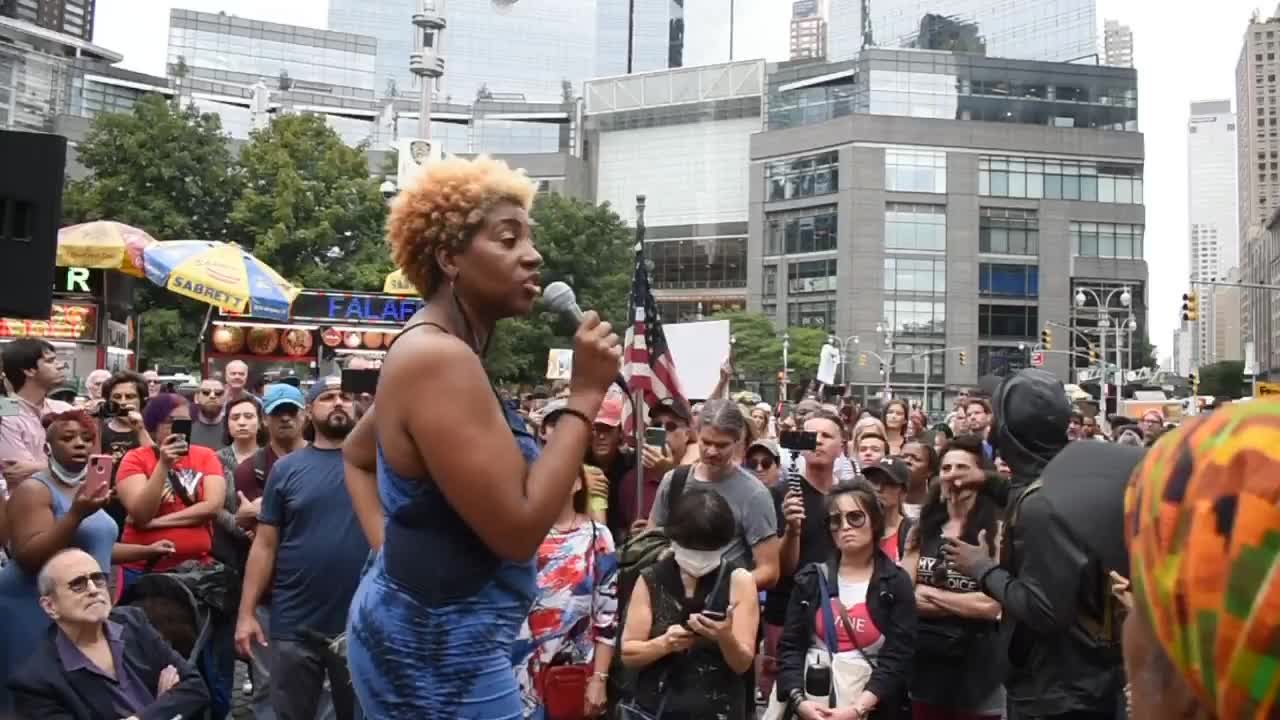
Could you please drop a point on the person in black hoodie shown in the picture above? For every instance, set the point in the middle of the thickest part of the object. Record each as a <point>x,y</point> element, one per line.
<point>873,610</point>
<point>1061,644</point>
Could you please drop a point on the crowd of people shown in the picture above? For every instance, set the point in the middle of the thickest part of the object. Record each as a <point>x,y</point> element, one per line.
<point>444,550</point>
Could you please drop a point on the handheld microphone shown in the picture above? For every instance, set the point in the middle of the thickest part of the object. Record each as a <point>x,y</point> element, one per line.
<point>559,297</point>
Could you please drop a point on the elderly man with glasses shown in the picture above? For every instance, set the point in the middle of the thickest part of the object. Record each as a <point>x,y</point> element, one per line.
<point>97,662</point>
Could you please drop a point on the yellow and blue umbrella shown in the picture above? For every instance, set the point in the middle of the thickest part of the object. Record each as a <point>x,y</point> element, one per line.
<point>220,274</point>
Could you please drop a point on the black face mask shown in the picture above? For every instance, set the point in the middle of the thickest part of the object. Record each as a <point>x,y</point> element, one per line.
<point>1030,413</point>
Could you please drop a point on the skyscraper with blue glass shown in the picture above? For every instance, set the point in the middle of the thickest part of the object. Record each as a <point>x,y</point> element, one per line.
<point>521,47</point>
<point>1055,30</point>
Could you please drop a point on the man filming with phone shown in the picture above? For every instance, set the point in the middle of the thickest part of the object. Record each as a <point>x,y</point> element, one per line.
<point>802,519</point>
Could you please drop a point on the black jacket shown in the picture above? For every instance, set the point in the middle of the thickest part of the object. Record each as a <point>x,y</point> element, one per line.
<point>43,690</point>
<point>892,605</point>
<point>1046,582</point>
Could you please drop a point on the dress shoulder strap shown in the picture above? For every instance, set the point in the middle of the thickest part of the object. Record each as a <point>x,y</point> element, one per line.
<point>411,326</point>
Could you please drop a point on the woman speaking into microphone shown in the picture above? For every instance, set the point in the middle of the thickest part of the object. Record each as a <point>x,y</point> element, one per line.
<point>466,497</point>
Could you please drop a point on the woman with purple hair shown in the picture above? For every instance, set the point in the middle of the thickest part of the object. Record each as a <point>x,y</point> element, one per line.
<point>172,491</point>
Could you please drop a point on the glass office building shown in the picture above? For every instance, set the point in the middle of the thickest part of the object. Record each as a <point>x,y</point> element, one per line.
<point>235,50</point>
<point>521,47</point>
<point>1059,30</point>
<point>943,85</point>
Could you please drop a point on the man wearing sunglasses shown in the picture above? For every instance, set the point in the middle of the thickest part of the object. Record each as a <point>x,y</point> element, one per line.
<point>98,662</point>
<point>206,422</point>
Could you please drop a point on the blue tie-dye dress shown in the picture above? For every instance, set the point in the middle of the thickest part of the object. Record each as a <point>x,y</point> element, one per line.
<point>433,622</point>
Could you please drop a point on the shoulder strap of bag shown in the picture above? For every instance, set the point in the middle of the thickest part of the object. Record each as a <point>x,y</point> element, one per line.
<point>178,490</point>
<point>848,628</point>
<point>679,478</point>
<point>829,638</point>
<point>260,465</point>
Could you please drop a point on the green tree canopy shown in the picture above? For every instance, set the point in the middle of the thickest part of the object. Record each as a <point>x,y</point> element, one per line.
<point>757,349</point>
<point>1223,379</point>
<point>585,245</point>
<point>167,170</point>
<point>309,207</point>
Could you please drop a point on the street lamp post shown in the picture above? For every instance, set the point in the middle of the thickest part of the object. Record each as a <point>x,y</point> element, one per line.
<point>887,332</point>
<point>842,344</point>
<point>786,368</point>
<point>1104,312</point>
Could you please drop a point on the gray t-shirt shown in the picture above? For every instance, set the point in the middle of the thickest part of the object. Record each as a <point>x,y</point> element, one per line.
<point>752,509</point>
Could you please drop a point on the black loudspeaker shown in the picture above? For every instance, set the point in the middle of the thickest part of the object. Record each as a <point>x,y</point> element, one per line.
<point>31,177</point>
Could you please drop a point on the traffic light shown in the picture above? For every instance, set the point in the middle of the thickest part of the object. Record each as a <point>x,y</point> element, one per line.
<point>862,359</point>
<point>964,359</point>
<point>1191,306</point>
<point>1093,353</point>
<point>1194,377</point>
<point>1046,338</point>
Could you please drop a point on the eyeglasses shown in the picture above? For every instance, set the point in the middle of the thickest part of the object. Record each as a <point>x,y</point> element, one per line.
<point>761,463</point>
<point>212,393</point>
<point>854,519</point>
<point>80,585</point>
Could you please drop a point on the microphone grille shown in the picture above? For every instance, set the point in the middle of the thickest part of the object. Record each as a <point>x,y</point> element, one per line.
<point>558,296</point>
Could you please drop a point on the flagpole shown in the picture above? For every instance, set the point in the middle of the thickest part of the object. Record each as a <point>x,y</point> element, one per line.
<point>637,399</point>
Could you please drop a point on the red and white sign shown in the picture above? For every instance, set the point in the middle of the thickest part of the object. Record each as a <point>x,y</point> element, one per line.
<point>1037,358</point>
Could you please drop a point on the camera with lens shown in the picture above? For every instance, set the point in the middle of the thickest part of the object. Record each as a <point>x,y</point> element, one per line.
<point>110,408</point>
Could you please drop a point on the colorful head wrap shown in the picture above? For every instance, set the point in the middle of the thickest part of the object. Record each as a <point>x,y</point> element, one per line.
<point>1203,527</point>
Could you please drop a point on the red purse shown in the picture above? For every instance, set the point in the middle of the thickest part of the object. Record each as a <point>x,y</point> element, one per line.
<point>563,688</point>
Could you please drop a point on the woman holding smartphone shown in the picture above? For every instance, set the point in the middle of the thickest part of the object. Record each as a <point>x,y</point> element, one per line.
<point>172,491</point>
<point>55,509</point>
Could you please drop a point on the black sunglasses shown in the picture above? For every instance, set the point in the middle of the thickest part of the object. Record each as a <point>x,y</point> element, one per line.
<point>80,585</point>
<point>854,519</point>
<point>761,463</point>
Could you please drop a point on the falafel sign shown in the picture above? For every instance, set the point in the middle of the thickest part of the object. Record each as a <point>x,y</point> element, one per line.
<point>326,306</point>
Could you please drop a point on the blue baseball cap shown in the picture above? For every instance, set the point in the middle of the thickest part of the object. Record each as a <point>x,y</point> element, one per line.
<point>277,395</point>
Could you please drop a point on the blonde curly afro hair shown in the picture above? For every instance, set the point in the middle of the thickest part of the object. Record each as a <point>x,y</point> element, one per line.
<point>444,207</point>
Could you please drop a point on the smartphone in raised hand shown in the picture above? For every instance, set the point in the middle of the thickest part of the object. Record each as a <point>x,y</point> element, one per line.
<point>98,474</point>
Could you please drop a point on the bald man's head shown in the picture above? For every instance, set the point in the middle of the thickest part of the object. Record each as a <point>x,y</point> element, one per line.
<point>73,589</point>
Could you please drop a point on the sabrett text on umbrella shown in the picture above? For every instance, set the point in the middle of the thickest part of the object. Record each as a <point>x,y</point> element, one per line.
<point>218,297</point>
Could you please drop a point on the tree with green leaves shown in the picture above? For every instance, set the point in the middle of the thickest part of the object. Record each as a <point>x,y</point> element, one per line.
<point>757,349</point>
<point>1223,379</point>
<point>165,169</point>
<point>585,245</point>
<point>310,207</point>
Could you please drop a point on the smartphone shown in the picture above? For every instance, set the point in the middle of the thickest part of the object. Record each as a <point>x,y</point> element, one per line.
<point>98,474</point>
<point>655,437</point>
<point>183,428</point>
<point>798,440</point>
<point>360,382</point>
<point>716,606</point>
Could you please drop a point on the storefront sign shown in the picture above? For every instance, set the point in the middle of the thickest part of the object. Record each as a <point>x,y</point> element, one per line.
<point>77,280</point>
<point>75,321</point>
<point>355,307</point>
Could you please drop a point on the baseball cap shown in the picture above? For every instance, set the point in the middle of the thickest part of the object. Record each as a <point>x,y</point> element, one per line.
<point>277,395</point>
<point>768,445</point>
<point>610,411</point>
<point>889,467</point>
<point>321,386</point>
<point>676,407</point>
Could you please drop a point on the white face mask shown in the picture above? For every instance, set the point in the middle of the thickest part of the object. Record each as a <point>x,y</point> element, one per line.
<point>697,562</point>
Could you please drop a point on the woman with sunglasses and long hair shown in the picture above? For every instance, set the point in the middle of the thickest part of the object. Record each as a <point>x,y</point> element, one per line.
<point>957,673</point>
<point>872,613</point>
<point>53,510</point>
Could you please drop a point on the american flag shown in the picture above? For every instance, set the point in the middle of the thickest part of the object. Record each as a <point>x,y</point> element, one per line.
<point>647,365</point>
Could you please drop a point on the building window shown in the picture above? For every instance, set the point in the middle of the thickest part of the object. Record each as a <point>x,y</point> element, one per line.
<point>672,311</point>
<point>1008,231</point>
<point>801,231</point>
<point>1008,321</point>
<point>915,227</point>
<point>907,170</point>
<point>911,359</point>
<point>915,275</point>
<point>1106,240</point>
<point>1002,360</point>
<point>803,177</point>
<point>811,276</point>
<point>1017,281</point>
<point>705,263</point>
<point>915,317</point>
<point>770,281</point>
<point>814,314</point>
<point>1059,180</point>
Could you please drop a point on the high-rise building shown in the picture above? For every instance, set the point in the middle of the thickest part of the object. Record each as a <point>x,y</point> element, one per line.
<point>906,191</point>
<point>558,41</point>
<point>73,17</point>
<point>1258,182</point>
<point>38,72</point>
<point>1057,30</point>
<point>808,31</point>
<point>1211,208</point>
<point>1117,44</point>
